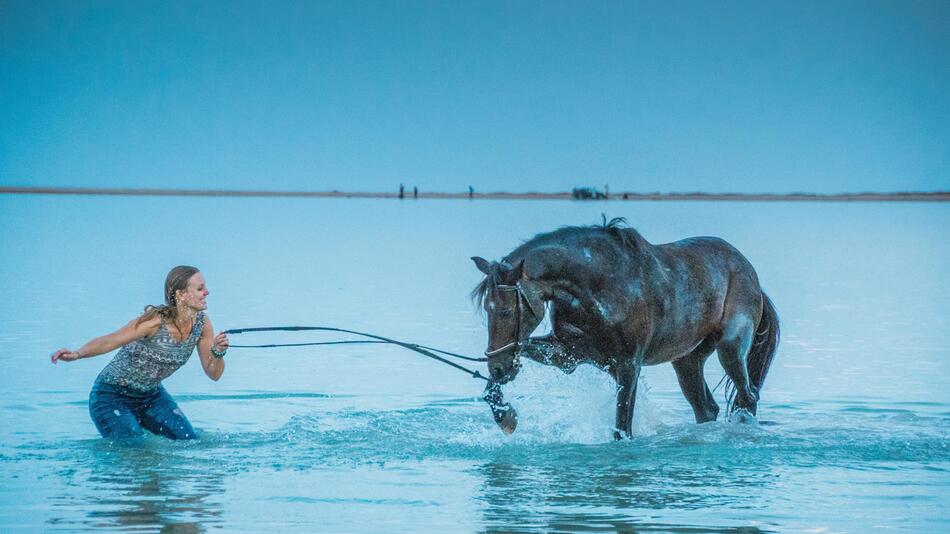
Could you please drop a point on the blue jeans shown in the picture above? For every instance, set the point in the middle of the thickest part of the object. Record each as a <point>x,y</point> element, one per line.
<point>119,412</point>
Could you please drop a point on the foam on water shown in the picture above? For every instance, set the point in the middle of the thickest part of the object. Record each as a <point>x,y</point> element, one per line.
<point>463,429</point>
<point>674,465</point>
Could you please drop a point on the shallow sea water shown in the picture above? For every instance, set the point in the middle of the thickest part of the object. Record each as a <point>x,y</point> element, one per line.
<point>854,430</point>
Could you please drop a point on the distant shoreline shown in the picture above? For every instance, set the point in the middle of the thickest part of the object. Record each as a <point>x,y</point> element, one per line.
<point>937,196</point>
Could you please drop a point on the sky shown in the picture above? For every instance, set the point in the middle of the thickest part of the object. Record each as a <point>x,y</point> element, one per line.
<point>755,97</point>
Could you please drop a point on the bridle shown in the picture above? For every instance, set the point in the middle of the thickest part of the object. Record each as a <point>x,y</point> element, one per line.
<point>516,343</point>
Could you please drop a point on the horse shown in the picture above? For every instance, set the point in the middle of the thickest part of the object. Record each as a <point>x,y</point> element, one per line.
<point>619,302</point>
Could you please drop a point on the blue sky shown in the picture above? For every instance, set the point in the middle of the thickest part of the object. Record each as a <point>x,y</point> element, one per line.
<point>516,96</point>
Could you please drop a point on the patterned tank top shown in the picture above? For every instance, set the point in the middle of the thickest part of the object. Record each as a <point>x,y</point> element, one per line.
<point>144,363</point>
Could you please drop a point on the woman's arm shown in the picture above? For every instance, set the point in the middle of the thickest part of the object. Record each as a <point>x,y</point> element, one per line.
<point>213,365</point>
<point>109,342</point>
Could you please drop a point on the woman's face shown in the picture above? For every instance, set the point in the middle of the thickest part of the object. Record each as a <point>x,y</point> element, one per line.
<point>195,293</point>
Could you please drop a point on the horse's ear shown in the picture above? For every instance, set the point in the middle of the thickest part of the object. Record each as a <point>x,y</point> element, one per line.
<point>481,263</point>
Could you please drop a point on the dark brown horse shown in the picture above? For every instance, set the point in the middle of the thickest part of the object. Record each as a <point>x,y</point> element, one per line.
<point>619,302</point>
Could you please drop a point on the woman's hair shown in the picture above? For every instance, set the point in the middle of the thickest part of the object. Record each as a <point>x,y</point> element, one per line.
<point>177,280</point>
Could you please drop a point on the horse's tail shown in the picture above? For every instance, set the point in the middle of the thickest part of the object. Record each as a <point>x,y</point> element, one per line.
<point>764,345</point>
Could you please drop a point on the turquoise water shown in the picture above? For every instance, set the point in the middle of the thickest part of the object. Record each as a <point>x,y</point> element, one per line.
<point>855,412</point>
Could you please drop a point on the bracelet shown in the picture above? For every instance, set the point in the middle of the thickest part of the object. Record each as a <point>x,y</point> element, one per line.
<point>216,354</point>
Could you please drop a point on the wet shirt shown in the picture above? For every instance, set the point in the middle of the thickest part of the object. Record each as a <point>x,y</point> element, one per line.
<point>144,363</point>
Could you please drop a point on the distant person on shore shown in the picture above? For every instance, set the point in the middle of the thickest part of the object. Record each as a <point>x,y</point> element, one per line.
<point>415,192</point>
<point>128,395</point>
<point>402,191</point>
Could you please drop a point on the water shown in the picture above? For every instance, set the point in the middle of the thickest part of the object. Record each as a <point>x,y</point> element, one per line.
<point>855,411</point>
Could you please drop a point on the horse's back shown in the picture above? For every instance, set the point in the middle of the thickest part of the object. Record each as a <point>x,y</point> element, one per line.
<point>712,255</point>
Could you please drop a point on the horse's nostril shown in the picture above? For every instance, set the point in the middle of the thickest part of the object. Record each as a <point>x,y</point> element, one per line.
<point>496,371</point>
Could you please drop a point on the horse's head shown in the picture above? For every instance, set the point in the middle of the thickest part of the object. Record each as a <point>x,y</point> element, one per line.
<point>515,307</point>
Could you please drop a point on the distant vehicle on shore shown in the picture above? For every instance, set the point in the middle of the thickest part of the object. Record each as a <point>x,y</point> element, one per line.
<point>587,193</point>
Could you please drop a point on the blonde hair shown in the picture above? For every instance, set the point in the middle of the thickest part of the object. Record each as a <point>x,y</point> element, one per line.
<point>177,280</point>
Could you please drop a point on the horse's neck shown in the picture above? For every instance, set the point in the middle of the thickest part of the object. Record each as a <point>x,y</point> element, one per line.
<point>565,273</point>
<point>560,284</point>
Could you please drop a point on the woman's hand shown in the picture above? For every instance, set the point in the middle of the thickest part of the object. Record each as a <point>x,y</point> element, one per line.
<point>221,342</point>
<point>65,355</point>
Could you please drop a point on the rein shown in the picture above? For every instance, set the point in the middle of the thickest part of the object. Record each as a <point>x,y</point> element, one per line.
<point>421,349</point>
<point>501,411</point>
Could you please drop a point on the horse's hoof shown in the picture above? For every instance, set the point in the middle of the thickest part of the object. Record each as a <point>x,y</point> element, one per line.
<point>741,415</point>
<point>509,421</point>
<point>620,436</point>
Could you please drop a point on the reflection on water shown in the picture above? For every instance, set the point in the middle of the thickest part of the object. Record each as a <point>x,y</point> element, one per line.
<point>137,486</point>
<point>615,488</point>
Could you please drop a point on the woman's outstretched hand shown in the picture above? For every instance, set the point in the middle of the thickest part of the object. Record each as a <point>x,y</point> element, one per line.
<point>65,355</point>
<point>221,342</point>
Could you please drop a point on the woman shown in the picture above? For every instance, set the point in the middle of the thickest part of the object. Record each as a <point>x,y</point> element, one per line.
<point>128,394</point>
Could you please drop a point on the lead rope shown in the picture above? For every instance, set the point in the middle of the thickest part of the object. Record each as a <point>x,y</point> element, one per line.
<point>502,412</point>
<point>421,349</point>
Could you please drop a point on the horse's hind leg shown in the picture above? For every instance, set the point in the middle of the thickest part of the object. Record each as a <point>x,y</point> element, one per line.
<point>689,373</point>
<point>733,350</point>
<point>626,374</point>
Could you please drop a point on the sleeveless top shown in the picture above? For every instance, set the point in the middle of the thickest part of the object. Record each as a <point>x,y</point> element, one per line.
<point>144,363</point>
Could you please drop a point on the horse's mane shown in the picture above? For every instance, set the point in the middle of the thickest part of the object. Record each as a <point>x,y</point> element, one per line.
<point>620,230</point>
<point>617,228</point>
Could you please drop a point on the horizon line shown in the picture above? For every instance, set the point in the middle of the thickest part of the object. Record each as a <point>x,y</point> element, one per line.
<point>931,196</point>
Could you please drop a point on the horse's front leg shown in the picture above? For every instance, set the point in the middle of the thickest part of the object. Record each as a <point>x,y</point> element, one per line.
<point>626,374</point>
<point>549,351</point>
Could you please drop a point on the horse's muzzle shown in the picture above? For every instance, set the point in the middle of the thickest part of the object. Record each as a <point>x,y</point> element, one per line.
<point>503,373</point>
